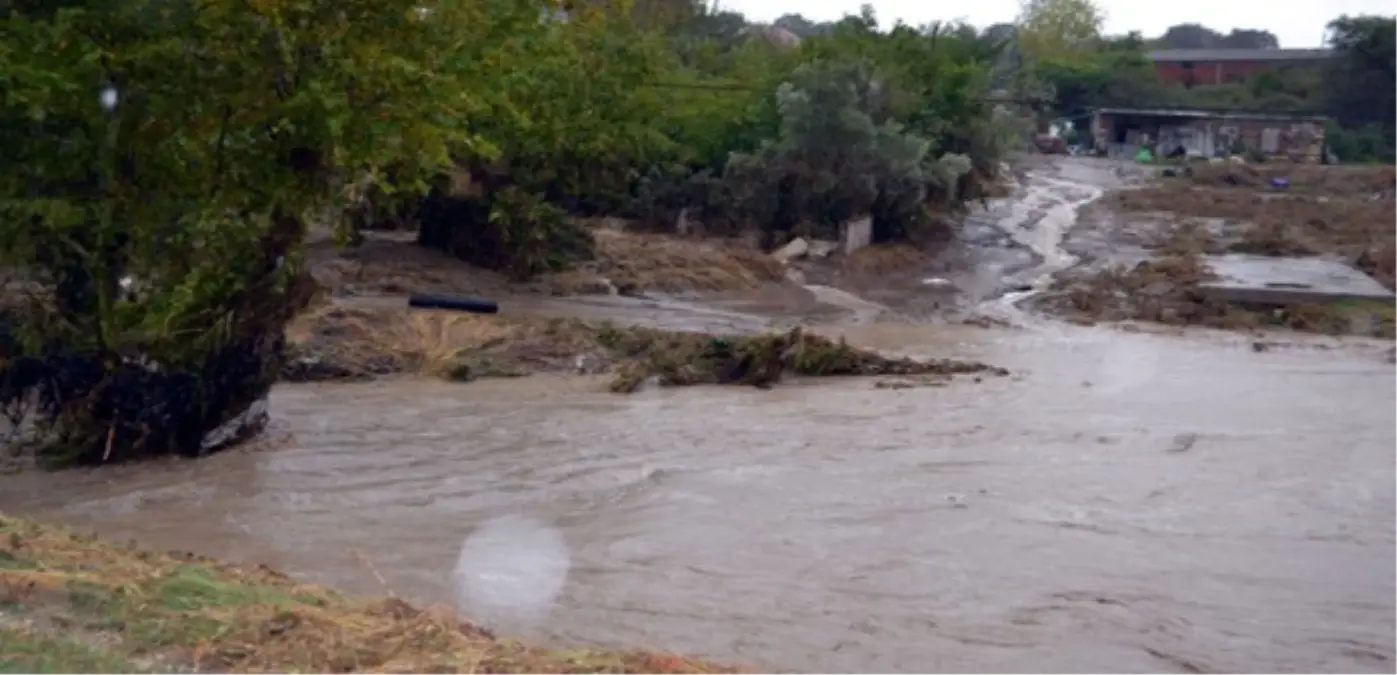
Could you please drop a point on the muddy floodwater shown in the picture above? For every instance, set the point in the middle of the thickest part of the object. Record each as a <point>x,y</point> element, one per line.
<point>1126,502</point>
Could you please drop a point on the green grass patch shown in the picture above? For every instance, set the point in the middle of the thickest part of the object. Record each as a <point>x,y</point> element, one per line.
<point>74,603</point>
<point>23,651</point>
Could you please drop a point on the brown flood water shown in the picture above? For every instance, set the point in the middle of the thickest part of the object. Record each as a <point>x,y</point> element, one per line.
<point>1130,502</point>
<point>1127,502</point>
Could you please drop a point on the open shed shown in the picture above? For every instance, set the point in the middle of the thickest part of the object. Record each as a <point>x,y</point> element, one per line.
<point>1121,132</point>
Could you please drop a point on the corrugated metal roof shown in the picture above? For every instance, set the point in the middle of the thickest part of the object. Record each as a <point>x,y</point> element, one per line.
<point>1194,113</point>
<point>1172,55</point>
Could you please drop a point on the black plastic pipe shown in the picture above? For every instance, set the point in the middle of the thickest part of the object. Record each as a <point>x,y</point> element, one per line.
<point>455,303</point>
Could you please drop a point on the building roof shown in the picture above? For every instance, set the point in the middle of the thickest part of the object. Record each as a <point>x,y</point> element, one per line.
<point>1195,113</point>
<point>1172,55</point>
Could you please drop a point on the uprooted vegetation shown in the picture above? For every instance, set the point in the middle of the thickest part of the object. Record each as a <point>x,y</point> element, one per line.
<point>1338,212</point>
<point>343,343</point>
<point>1357,230</point>
<point>1363,182</point>
<point>1166,291</point>
<point>74,603</point>
<point>674,359</point>
<point>629,263</point>
<point>625,263</point>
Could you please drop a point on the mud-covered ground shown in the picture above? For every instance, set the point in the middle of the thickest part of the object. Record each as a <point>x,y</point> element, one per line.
<point>627,263</point>
<point>360,327</point>
<point>1140,247</point>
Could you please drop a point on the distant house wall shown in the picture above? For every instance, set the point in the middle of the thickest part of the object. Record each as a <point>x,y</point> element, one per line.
<point>1214,72</point>
<point>1202,67</point>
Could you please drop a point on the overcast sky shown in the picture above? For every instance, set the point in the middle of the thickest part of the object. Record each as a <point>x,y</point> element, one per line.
<point>1298,23</point>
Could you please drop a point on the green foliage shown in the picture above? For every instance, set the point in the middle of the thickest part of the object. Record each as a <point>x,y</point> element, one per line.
<point>572,110</point>
<point>232,122</point>
<point>1055,29</point>
<point>1363,74</point>
<point>686,125</point>
<point>1361,91</point>
<point>240,124</point>
<point>1355,88</point>
<point>1371,143</point>
<point>509,228</point>
<point>1118,74</point>
<point>1106,78</point>
<point>573,124</point>
<point>938,87</point>
<point>1197,36</point>
<point>726,108</point>
<point>841,153</point>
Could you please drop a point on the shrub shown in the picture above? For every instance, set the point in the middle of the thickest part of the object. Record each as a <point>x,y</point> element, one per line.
<point>157,236</point>
<point>839,156</point>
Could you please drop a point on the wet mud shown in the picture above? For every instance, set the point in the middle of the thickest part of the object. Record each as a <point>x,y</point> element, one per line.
<point>1130,499</point>
<point>1143,249</point>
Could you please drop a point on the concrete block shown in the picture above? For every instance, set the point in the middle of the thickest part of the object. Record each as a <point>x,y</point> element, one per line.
<point>820,248</point>
<point>1254,279</point>
<point>856,234</point>
<point>795,248</point>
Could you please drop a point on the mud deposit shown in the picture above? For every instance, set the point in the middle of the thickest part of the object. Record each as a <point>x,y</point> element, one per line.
<point>1143,247</point>
<point>1125,502</point>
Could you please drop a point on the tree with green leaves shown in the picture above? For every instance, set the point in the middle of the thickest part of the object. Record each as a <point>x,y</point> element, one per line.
<point>1198,36</point>
<point>174,153</point>
<point>1111,78</point>
<point>841,154</point>
<point>166,161</point>
<point>577,118</point>
<point>1360,94</point>
<point>1058,29</point>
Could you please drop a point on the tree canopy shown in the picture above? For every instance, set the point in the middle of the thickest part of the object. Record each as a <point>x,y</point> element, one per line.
<point>1360,90</point>
<point>1198,36</point>
<point>1049,29</point>
<point>157,240</point>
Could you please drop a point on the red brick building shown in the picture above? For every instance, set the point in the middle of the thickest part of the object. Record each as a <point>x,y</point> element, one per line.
<point>1191,67</point>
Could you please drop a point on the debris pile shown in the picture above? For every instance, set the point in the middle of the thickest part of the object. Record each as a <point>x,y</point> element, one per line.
<point>1358,231</point>
<point>631,263</point>
<point>344,343</point>
<point>1363,182</point>
<point>624,263</point>
<point>676,359</point>
<point>1166,290</point>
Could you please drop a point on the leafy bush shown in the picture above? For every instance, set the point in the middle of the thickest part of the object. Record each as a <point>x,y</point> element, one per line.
<point>157,237</point>
<point>509,228</point>
<point>239,125</point>
<point>738,132</point>
<point>1370,143</point>
<point>839,156</point>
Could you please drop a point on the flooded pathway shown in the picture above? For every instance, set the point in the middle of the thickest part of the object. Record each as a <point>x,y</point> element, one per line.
<point>1127,502</point>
